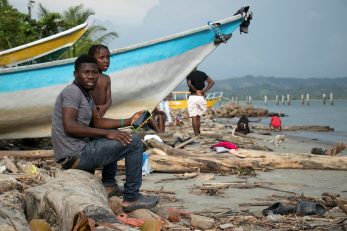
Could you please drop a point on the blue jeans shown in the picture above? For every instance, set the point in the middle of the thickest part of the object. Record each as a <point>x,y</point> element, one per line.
<point>104,153</point>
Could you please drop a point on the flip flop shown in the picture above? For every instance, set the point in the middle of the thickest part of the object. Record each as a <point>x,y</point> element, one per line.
<point>279,208</point>
<point>309,208</point>
<point>130,221</point>
<point>144,202</point>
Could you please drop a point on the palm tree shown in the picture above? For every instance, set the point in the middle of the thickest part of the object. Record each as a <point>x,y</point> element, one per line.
<point>4,3</point>
<point>43,11</point>
<point>95,34</point>
<point>50,22</point>
<point>76,15</point>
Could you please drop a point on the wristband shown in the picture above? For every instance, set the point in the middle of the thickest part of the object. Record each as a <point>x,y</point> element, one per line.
<point>121,123</point>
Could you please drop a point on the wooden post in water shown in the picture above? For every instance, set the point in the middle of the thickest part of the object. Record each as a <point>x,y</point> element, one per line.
<point>250,100</point>
<point>288,99</point>
<point>282,99</point>
<point>277,102</point>
<point>302,99</point>
<point>324,98</point>
<point>308,99</point>
<point>265,99</point>
<point>331,99</point>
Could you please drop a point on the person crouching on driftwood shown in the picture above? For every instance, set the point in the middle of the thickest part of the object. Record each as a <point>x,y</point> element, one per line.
<point>83,141</point>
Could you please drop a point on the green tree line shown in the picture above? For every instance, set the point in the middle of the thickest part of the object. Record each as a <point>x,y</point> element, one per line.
<point>17,28</point>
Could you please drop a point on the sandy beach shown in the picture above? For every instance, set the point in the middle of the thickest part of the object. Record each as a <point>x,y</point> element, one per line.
<point>238,197</point>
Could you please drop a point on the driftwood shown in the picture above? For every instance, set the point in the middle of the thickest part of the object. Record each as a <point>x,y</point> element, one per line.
<point>335,149</point>
<point>215,188</point>
<point>184,161</point>
<point>12,219</point>
<point>187,142</point>
<point>339,203</point>
<point>166,148</point>
<point>295,161</point>
<point>8,183</point>
<point>311,128</point>
<point>10,165</point>
<point>32,154</point>
<point>69,199</point>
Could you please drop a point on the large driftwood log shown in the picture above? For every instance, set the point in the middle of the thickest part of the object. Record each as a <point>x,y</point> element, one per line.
<point>311,128</point>
<point>62,200</point>
<point>296,161</point>
<point>11,219</point>
<point>183,161</point>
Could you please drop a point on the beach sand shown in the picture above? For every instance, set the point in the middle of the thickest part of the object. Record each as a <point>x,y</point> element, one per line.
<point>278,185</point>
<point>298,181</point>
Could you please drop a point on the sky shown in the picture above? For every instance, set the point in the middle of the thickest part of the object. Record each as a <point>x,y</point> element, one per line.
<point>287,38</point>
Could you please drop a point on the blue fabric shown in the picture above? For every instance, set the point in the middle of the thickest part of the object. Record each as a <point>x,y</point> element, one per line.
<point>104,153</point>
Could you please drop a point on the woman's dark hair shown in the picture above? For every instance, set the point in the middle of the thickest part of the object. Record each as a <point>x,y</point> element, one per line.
<point>84,59</point>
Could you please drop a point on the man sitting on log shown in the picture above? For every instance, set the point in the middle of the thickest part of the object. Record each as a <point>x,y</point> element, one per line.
<point>83,141</point>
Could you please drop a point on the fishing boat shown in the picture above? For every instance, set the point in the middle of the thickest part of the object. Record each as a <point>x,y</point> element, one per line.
<point>43,50</point>
<point>141,76</point>
<point>179,99</point>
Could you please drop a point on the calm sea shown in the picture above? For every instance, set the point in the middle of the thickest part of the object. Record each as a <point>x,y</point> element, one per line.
<point>314,114</point>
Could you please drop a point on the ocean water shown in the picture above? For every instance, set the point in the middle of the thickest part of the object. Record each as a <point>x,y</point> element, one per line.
<point>316,113</point>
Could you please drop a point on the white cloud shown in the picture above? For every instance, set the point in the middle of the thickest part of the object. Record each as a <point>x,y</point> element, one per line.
<point>130,12</point>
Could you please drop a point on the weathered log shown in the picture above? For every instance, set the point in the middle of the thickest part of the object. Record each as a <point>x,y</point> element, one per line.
<point>339,203</point>
<point>8,183</point>
<point>32,154</point>
<point>10,165</point>
<point>16,219</point>
<point>184,161</point>
<point>295,161</point>
<point>72,195</point>
<point>187,142</point>
<point>166,148</point>
<point>312,128</point>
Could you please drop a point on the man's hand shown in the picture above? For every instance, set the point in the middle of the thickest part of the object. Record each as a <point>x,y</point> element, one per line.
<point>136,116</point>
<point>121,136</point>
<point>200,92</point>
<point>101,110</point>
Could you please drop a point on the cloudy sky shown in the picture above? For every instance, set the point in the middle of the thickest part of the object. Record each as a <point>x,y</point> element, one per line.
<point>287,38</point>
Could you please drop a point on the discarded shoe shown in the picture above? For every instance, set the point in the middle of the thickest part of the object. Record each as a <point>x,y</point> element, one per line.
<point>144,202</point>
<point>279,208</point>
<point>309,208</point>
<point>118,192</point>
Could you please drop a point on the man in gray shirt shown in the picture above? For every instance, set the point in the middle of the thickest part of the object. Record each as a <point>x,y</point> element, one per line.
<point>83,141</point>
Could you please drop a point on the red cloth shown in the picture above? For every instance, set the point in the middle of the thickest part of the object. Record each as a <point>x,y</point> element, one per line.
<point>275,121</point>
<point>225,144</point>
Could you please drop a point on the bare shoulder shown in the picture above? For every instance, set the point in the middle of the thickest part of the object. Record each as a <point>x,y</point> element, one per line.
<point>104,79</point>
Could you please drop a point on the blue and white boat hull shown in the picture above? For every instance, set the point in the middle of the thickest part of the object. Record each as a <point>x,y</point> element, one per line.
<point>141,76</point>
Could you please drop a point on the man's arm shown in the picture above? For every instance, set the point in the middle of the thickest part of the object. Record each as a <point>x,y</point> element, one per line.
<point>191,86</point>
<point>210,84</point>
<point>108,94</point>
<point>104,107</point>
<point>73,128</point>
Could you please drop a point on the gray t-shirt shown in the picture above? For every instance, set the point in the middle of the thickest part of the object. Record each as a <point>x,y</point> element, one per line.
<point>65,145</point>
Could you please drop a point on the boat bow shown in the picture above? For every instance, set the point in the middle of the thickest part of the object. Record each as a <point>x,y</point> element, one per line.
<point>141,76</point>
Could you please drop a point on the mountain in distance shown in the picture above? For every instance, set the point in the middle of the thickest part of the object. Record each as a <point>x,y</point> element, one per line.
<point>258,87</point>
